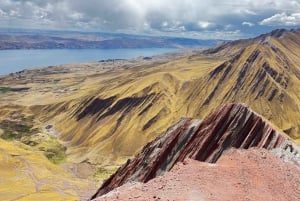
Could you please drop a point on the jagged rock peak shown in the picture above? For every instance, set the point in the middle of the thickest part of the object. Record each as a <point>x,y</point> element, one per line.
<point>230,125</point>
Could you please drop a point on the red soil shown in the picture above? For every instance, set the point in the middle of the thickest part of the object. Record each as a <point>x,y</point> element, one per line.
<point>230,125</point>
<point>245,175</point>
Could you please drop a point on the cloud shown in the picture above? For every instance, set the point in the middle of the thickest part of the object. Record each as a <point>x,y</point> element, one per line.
<point>158,17</point>
<point>204,25</point>
<point>249,24</point>
<point>282,19</point>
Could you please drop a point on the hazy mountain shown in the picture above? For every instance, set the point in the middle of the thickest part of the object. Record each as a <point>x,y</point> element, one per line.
<point>37,39</point>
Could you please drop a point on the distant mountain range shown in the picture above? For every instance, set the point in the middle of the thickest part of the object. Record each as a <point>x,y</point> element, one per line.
<point>36,39</point>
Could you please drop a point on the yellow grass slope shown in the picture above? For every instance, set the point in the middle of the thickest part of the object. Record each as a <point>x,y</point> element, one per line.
<point>120,111</point>
<point>27,175</point>
<point>264,75</point>
<point>120,115</point>
<point>107,115</point>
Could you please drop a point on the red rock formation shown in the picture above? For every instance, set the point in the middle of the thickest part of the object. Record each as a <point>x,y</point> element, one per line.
<point>254,174</point>
<point>231,125</point>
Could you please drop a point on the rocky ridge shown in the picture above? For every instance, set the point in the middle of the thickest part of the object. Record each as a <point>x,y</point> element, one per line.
<point>229,126</point>
<point>254,174</point>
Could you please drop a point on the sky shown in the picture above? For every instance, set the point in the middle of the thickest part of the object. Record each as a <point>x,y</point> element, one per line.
<point>203,19</point>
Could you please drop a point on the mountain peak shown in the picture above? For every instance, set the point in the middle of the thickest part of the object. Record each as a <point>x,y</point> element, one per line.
<point>277,33</point>
<point>232,47</point>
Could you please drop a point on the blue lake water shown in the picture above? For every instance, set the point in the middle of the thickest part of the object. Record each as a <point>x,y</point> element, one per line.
<point>17,60</point>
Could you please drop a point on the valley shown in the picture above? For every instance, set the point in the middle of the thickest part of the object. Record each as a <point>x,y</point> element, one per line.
<point>86,120</point>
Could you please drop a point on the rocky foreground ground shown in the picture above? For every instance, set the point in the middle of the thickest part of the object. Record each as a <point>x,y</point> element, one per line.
<point>253,174</point>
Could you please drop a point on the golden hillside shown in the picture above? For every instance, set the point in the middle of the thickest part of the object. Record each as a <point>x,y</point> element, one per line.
<point>28,175</point>
<point>105,112</point>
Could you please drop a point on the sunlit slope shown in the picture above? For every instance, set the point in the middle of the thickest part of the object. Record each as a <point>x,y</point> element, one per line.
<point>28,175</point>
<point>117,112</point>
<point>113,118</point>
<point>263,76</point>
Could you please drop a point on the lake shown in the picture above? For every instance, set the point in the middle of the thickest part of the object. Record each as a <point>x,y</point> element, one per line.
<point>17,60</point>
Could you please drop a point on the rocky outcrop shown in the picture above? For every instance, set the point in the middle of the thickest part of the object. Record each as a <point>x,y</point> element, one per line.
<point>231,125</point>
<point>254,174</point>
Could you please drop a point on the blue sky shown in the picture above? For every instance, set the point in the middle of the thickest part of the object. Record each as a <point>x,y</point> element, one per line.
<point>205,19</point>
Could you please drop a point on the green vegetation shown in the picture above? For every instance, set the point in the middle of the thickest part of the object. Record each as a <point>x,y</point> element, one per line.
<point>15,131</point>
<point>27,134</point>
<point>5,89</point>
<point>53,150</point>
<point>103,173</point>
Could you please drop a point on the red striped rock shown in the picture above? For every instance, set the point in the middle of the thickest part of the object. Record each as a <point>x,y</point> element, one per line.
<point>231,125</point>
<point>252,174</point>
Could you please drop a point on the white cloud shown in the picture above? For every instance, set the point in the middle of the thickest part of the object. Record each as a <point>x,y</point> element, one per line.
<point>282,19</point>
<point>175,27</point>
<point>159,17</point>
<point>204,24</point>
<point>164,24</point>
<point>250,12</point>
<point>14,13</point>
<point>249,24</point>
<point>2,13</point>
<point>76,16</point>
<point>182,28</point>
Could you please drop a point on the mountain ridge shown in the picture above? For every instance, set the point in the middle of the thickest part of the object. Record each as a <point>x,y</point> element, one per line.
<point>254,174</point>
<point>112,107</point>
<point>230,125</point>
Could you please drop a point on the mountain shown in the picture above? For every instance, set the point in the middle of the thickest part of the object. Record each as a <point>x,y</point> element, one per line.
<point>230,125</point>
<point>36,39</point>
<point>121,110</point>
<point>97,115</point>
<point>263,73</point>
<point>113,109</point>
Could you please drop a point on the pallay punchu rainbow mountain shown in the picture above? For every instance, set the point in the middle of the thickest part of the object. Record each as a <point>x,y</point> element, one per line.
<point>229,126</point>
<point>66,129</point>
